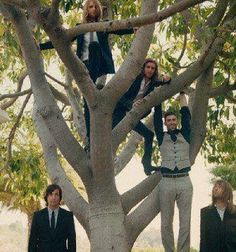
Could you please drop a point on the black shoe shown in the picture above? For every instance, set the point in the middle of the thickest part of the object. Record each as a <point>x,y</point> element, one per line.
<point>100,86</point>
<point>87,148</point>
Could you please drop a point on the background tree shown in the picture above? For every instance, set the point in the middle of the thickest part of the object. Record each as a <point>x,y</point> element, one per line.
<point>196,45</point>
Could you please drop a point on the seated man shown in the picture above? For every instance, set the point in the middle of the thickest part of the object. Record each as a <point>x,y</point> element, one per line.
<point>218,221</point>
<point>144,83</point>
<point>175,185</point>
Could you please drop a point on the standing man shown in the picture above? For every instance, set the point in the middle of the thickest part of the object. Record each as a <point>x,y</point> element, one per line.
<point>52,228</point>
<point>218,221</point>
<point>175,185</point>
<point>144,83</point>
<point>94,50</point>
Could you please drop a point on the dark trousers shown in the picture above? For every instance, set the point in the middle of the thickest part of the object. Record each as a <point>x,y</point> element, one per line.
<point>93,64</point>
<point>140,128</point>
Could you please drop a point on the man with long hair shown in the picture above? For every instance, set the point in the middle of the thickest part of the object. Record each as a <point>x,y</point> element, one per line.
<point>144,83</point>
<point>52,228</point>
<point>93,49</point>
<point>218,221</point>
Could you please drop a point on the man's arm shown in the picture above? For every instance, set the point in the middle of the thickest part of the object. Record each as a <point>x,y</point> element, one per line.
<point>71,234</point>
<point>33,238</point>
<point>158,124</point>
<point>165,80</point>
<point>185,117</point>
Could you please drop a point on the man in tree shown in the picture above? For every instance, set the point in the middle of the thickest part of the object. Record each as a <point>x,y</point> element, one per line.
<point>52,228</point>
<point>144,83</point>
<point>218,221</point>
<point>94,50</point>
<point>175,185</point>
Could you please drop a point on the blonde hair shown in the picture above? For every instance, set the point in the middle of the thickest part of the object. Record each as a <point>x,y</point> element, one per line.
<point>98,10</point>
<point>227,196</point>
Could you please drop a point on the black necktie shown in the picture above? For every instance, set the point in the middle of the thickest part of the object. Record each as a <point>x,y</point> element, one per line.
<point>53,220</point>
<point>173,136</point>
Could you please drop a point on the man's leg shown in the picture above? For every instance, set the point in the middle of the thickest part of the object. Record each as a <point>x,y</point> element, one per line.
<point>94,63</point>
<point>87,124</point>
<point>167,204</point>
<point>148,139</point>
<point>184,203</point>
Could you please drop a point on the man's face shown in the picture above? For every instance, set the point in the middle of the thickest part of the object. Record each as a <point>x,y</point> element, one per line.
<point>149,70</point>
<point>217,191</point>
<point>92,10</point>
<point>171,122</point>
<point>53,199</point>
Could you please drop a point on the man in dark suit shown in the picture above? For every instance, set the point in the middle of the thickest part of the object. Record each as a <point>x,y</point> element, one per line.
<point>218,221</point>
<point>94,50</point>
<point>52,228</point>
<point>144,83</point>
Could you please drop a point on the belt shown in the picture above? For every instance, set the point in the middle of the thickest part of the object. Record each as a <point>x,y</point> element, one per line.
<point>165,175</point>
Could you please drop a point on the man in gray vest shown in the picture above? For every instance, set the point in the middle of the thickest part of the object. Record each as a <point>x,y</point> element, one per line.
<point>175,185</point>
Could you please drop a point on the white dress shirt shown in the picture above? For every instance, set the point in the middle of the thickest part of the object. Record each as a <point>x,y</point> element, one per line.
<point>56,211</point>
<point>87,41</point>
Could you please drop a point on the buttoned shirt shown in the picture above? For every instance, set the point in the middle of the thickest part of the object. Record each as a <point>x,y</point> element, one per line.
<point>87,40</point>
<point>221,212</point>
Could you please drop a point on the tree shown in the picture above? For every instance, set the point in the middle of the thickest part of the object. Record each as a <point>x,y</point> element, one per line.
<point>204,37</point>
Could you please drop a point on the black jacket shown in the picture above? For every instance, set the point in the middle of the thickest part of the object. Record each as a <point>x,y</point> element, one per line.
<point>126,101</point>
<point>44,239</point>
<point>217,235</point>
<point>107,63</point>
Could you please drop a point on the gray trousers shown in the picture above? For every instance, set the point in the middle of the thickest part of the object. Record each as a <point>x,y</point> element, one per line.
<point>179,190</point>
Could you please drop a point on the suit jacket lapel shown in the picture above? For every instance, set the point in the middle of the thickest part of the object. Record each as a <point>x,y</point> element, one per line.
<point>45,218</point>
<point>59,219</point>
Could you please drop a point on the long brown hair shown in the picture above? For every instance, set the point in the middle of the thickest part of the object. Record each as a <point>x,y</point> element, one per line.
<point>150,60</point>
<point>227,196</point>
<point>98,10</point>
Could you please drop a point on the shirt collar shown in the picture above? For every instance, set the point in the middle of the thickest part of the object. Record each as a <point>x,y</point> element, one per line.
<point>55,210</point>
<point>176,131</point>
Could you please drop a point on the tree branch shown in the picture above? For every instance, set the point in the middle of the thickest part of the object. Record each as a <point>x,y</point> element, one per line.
<point>18,90</point>
<point>13,130</point>
<point>132,197</point>
<point>133,22</point>
<point>74,100</point>
<point>221,90</point>
<point>199,112</point>
<point>18,3</point>
<point>47,106</point>
<point>230,98</point>
<point>127,153</point>
<point>130,148</point>
<point>134,60</point>
<point>72,197</point>
<point>15,95</point>
<point>136,222</point>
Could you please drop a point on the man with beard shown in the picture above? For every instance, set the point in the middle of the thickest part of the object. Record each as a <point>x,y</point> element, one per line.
<point>175,185</point>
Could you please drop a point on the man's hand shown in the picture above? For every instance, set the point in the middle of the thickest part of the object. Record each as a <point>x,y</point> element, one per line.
<point>136,103</point>
<point>182,99</point>
<point>135,29</point>
<point>165,78</point>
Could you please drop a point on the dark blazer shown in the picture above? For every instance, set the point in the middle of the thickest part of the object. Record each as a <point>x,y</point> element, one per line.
<point>217,235</point>
<point>107,63</point>
<point>44,239</point>
<point>126,101</point>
